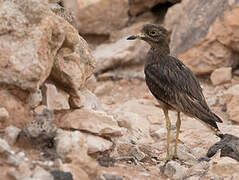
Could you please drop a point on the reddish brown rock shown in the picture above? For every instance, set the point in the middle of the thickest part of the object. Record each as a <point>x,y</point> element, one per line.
<point>96,122</point>
<point>27,53</point>
<point>30,40</point>
<point>99,16</point>
<point>221,75</point>
<point>204,42</point>
<point>18,112</point>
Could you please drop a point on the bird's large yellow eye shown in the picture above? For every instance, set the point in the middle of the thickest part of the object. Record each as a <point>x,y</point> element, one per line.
<point>153,33</point>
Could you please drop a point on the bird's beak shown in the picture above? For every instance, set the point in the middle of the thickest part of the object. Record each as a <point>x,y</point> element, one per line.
<point>137,36</point>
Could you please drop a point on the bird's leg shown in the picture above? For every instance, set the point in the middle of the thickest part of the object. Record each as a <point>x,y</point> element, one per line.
<point>178,124</point>
<point>168,126</point>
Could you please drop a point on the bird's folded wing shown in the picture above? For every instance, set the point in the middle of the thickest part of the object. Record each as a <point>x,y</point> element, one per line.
<point>172,82</point>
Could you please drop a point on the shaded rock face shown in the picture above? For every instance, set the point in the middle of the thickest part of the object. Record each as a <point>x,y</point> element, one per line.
<point>196,37</point>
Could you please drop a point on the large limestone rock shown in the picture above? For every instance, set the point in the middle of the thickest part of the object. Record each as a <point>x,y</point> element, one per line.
<point>31,39</point>
<point>26,45</point>
<point>99,16</point>
<point>204,33</point>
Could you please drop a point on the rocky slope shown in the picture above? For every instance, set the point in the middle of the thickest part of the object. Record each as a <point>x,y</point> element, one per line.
<point>73,101</point>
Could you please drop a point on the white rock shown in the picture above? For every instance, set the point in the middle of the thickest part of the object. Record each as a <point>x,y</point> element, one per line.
<point>4,147</point>
<point>67,142</point>
<point>11,134</point>
<point>174,170</point>
<point>224,167</point>
<point>96,143</point>
<point>40,173</point>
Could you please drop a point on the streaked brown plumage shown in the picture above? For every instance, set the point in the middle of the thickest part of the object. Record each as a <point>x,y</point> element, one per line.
<point>172,83</point>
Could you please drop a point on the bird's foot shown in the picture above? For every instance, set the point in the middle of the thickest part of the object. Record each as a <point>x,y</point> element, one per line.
<point>175,156</point>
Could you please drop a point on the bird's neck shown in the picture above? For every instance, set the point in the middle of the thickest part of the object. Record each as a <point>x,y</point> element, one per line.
<point>157,52</point>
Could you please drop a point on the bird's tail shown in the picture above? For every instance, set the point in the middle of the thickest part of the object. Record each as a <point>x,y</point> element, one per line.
<point>210,121</point>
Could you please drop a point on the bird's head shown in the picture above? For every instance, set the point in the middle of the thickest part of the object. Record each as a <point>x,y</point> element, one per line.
<point>155,35</point>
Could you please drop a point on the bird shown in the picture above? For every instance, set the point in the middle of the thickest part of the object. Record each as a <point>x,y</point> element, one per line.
<point>173,84</point>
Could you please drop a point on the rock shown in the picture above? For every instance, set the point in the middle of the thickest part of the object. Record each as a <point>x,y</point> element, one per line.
<point>232,101</point>
<point>136,115</point>
<point>174,170</point>
<point>22,172</point>
<point>233,90</point>
<point>85,98</point>
<point>204,43</point>
<point>99,16</point>
<point>104,89</point>
<point>28,52</point>
<point>72,148</point>
<point>109,176</point>
<point>185,154</point>
<point>229,146</point>
<point>221,75</point>
<point>54,98</point>
<point>106,161</point>
<point>121,52</point>
<point>3,114</point>
<point>74,63</point>
<point>139,6</point>
<point>35,98</point>
<point>11,134</point>
<point>18,111</point>
<point>38,38</point>
<point>224,168</point>
<point>232,108</point>
<point>67,142</point>
<point>137,153</point>
<point>41,173</point>
<point>96,122</point>
<point>61,175</point>
<point>4,147</point>
<point>198,169</point>
<point>41,131</point>
<point>96,144</point>
<point>133,122</point>
<point>39,109</point>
